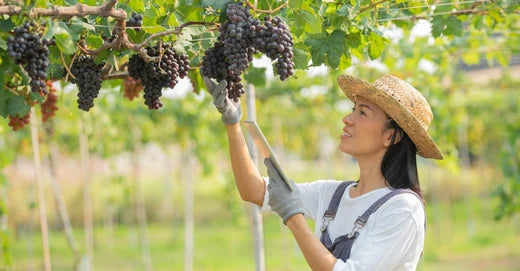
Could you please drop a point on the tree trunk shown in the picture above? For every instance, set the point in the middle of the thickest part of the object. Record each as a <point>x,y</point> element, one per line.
<point>140,207</point>
<point>256,218</point>
<point>41,195</point>
<point>88,263</point>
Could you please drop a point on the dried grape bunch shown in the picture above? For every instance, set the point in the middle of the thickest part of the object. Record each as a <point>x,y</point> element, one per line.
<point>49,107</point>
<point>17,123</point>
<point>131,88</point>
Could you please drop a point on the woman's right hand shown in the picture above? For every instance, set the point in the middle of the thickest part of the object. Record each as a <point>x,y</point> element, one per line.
<point>230,110</point>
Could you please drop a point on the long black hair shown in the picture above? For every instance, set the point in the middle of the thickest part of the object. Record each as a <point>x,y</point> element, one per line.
<point>399,165</point>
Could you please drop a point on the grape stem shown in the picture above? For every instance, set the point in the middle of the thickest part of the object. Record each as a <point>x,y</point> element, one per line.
<point>270,11</point>
<point>69,73</point>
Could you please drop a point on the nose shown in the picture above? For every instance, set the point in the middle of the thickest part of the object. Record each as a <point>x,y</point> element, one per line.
<point>348,120</point>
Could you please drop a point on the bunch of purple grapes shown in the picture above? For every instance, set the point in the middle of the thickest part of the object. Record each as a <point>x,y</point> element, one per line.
<point>155,76</point>
<point>240,38</point>
<point>28,48</point>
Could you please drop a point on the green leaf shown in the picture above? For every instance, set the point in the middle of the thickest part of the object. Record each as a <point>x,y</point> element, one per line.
<point>196,80</point>
<point>6,25</point>
<point>256,76</point>
<point>318,48</point>
<point>312,23</point>
<point>301,59</point>
<point>353,39</point>
<point>136,5</point>
<point>295,4</point>
<point>376,45</point>
<point>216,4</point>
<point>94,41</point>
<point>36,97</point>
<point>453,27</point>
<point>437,26</point>
<point>336,48</point>
<point>16,106</point>
<point>3,44</point>
<point>56,71</point>
<point>345,61</point>
<point>64,40</point>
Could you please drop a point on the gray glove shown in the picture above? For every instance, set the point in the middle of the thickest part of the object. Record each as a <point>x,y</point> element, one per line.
<point>231,112</point>
<point>284,202</point>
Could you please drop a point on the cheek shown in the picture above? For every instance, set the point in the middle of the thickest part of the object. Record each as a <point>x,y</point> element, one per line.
<point>372,135</point>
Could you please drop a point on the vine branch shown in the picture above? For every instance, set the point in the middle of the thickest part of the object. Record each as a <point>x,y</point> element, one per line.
<point>372,6</point>
<point>108,9</point>
<point>105,10</point>
<point>270,11</point>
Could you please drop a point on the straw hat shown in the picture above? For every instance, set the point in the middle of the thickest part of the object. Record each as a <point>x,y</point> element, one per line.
<point>402,102</point>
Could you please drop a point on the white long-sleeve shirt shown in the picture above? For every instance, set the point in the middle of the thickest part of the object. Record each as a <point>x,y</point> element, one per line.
<point>393,237</point>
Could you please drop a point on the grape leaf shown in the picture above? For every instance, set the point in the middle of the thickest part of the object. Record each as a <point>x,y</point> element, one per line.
<point>256,76</point>
<point>136,5</point>
<point>196,80</point>
<point>437,26</point>
<point>376,45</point>
<point>318,49</point>
<point>453,26</point>
<point>6,25</point>
<point>16,106</point>
<point>216,4</point>
<point>336,48</point>
<point>312,23</point>
<point>3,44</point>
<point>301,59</point>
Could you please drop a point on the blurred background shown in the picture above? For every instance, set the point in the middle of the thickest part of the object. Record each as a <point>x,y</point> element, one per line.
<point>130,189</point>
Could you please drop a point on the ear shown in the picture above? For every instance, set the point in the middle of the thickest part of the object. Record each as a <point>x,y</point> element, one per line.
<point>389,134</point>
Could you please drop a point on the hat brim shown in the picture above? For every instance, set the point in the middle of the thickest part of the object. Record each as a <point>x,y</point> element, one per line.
<point>353,87</point>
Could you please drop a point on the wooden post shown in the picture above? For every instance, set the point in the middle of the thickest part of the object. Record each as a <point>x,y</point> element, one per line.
<point>189,196</point>
<point>465,166</point>
<point>41,194</point>
<point>139,200</point>
<point>88,213</point>
<point>256,218</point>
<point>60,203</point>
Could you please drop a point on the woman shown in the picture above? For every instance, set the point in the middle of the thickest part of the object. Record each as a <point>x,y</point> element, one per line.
<point>376,223</point>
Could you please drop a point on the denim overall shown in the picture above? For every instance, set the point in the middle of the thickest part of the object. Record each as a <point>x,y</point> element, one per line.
<point>343,244</point>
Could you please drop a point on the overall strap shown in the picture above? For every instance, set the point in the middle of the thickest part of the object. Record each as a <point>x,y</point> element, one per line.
<point>330,213</point>
<point>362,219</point>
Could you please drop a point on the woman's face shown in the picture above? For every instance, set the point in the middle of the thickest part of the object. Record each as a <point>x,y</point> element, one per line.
<point>364,134</point>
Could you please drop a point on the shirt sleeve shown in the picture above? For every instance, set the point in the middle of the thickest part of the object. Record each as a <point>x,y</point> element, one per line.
<point>393,243</point>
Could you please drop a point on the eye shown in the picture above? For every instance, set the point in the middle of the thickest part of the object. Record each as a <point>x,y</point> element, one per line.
<point>363,113</point>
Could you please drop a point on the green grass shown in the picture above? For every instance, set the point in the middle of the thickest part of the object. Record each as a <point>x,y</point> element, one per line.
<point>458,238</point>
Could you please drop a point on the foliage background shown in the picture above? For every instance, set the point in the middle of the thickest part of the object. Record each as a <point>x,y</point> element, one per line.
<point>476,125</point>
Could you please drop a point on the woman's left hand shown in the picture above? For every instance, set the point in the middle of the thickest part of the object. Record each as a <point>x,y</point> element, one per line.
<point>283,201</point>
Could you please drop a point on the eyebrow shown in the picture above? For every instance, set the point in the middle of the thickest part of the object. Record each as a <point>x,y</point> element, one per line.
<point>364,105</point>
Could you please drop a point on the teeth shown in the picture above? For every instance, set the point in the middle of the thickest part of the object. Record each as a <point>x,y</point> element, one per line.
<point>345,134</point>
